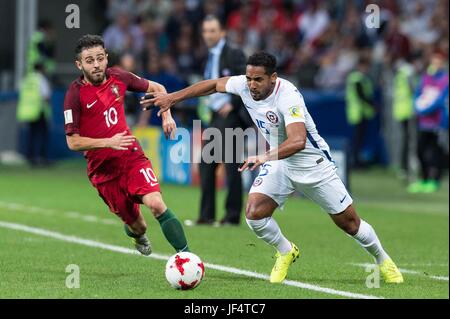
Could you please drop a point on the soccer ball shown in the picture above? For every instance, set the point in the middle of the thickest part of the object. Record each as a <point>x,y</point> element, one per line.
<point>184,271</point>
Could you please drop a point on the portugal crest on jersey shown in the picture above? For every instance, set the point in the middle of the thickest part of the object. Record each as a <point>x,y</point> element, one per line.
<point>115,91</point>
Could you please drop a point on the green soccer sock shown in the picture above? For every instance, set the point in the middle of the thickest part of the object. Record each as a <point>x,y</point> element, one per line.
<point>173,230</point>
<point>129,232</point>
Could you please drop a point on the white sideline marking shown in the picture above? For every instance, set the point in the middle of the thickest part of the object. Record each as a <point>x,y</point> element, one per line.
<point>53,212</point>
<point>407,271</point>
<point>123,250</point>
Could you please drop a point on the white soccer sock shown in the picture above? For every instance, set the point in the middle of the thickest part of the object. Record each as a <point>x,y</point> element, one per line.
<point>368,239</point>
<point>268,230</point>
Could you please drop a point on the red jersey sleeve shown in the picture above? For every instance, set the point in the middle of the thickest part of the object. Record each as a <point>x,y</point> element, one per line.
<point>132,81</point>
<point>72,109</point>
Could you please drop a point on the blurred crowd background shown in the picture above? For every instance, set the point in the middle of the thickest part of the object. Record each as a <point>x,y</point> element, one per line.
<point>317,43</point>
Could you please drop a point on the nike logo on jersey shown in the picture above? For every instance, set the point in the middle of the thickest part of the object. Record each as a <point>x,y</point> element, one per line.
<point>343,199</point>
<point>92,104</point>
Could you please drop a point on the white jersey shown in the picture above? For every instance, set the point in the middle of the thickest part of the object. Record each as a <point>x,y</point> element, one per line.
<point>272,115</point>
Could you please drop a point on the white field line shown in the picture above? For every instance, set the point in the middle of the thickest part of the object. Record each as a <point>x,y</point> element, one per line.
<point>425,265</point>
<point>407,271</point>
<point>123,250</point>
<point>53,212</point>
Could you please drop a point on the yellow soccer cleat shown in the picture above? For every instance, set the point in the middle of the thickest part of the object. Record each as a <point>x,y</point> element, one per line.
<point>279,271</point>
<point>390,272</point>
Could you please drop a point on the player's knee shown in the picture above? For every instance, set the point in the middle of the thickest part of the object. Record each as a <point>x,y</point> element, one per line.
<point>348,221</point>
<point>351,225</point>
<point>156,205</point>
<point>351,228</point>
<point>253,211</point>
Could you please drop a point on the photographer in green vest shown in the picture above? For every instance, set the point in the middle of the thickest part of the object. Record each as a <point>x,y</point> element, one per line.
<point>41,48</point>
<point>34,111</point>
<point>360,107</point>
<point>403,109</point>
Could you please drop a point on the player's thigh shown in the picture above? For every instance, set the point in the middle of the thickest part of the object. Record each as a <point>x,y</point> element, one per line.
<point>141,179</point>
<point>330,194</point>
<point>272,185</point>
<point>116,198</point>
<point>143,186</point>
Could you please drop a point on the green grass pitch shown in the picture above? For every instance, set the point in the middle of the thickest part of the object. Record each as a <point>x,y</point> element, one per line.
<point>414,230</point>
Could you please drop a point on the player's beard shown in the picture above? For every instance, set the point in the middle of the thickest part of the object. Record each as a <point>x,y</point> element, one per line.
<point>96,78</point>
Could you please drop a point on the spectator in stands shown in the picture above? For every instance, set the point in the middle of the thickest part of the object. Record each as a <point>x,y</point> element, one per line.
<point>431,106</point>
<point>158,70</point>
<point>397,44</point>
<point>124,35</point>
<point>403,109</point>
<point>305,67</point>
<point>41,49</point>
<point>174,21</point>
<point>313,22</point>
<point>360,107</point>
<point>34,110</point>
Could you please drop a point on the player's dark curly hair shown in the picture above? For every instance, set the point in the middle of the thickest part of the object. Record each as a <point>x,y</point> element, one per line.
<point>88,41</point>
<point>267,60</point>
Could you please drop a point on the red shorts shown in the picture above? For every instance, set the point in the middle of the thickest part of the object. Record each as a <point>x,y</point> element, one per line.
<point>122,194</point>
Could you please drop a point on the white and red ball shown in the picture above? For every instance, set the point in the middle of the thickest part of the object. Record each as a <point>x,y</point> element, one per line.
<point>184,270</point>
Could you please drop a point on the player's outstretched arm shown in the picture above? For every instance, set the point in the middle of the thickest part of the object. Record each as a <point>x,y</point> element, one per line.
<point>166,101</point>
<point>168,123</point>
<point>119,142</point>
<point>153,87</point>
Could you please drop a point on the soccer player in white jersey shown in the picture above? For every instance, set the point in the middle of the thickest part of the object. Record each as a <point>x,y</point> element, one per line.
<point>298,159</point>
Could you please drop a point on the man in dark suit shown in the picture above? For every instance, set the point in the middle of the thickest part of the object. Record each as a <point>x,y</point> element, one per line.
<point>227,112</point>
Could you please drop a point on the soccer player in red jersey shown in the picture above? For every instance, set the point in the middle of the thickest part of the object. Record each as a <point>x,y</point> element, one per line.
<point>117,167</point>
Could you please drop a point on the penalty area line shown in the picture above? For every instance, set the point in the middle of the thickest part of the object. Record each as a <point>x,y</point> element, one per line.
<point>124,250</point>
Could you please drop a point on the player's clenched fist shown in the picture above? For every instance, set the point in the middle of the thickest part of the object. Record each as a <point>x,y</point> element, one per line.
<point>169,127</point>
<point>120,141</point>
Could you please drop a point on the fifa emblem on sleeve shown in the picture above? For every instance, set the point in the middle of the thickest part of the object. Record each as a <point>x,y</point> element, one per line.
<point>295,111</point>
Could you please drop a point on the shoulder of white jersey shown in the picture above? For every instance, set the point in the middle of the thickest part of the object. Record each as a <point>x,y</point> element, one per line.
<point>287,87</point>
<point>240,79</point>
<point>236,84</point>
<point>288,93</point>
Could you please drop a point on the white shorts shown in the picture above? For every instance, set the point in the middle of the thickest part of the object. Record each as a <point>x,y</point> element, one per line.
<point>321,184</point>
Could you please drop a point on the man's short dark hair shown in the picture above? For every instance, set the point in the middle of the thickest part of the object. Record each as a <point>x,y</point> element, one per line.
<point>44,24</point>
<point>88,41</point>
<point>212,17</point>
<point>267,60</point>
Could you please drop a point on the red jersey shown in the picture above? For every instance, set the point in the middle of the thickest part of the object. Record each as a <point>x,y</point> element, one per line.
<point>98,112</point>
